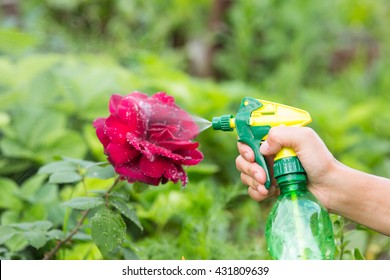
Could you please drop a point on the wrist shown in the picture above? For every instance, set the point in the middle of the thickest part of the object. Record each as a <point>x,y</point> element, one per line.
<point>339,187</point>
<point>360,197</point>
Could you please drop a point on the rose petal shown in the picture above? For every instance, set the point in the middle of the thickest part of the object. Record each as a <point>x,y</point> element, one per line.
<point>132,173</point>
<point>121,154</point>
<point>133,116</point>
<point>114,102</point>
<point>178,145</point>
<point>160,132</point>
<point>164,98</point>
<point>176,173</point>
<point>137,95</point>
<point>190,157</point>
<point>149,149</point>
<point>154,168</point>
<point>137,143</point>
<point>116,130</point>
<point>99,125</point>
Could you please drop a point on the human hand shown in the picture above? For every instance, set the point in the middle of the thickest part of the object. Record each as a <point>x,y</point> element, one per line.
<point>311,151</point>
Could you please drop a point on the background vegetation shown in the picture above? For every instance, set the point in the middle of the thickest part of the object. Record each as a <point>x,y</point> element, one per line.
<point>60,60</point>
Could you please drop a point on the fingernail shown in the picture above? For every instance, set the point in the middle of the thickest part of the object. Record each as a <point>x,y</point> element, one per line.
<point>246,155</point>
<point>265,146</point>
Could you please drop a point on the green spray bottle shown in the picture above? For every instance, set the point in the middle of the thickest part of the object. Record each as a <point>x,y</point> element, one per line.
<point>298,226</point>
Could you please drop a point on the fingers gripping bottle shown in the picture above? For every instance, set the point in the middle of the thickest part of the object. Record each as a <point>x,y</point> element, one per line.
<point>298,226</point>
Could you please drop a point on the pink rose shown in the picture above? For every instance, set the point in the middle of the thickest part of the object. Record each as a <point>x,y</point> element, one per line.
<point>148,139</point>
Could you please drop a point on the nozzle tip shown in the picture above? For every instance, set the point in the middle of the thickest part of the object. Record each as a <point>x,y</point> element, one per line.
<point>222,123</point>
<point>216,123</point>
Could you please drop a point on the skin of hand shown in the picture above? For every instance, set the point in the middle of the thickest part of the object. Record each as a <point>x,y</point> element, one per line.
<point>315,158</point>
<point>342,190</point>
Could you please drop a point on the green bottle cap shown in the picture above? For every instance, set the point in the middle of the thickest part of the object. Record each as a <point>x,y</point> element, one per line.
<point>222,123</point>
<point>289,169</point>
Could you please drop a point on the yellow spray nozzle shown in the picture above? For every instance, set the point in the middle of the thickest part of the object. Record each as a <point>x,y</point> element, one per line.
<point>276,114</point>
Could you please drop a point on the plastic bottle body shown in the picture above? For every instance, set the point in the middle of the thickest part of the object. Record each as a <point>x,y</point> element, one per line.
<point>299,227</point>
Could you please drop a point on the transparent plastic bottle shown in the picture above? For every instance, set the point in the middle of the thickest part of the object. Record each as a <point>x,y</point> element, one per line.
<point>298,226</point>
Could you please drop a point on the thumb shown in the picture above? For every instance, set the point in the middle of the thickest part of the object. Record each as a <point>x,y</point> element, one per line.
<point>286,137</point>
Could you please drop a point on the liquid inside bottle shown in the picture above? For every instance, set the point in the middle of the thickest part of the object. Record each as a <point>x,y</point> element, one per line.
<point>298,226</point>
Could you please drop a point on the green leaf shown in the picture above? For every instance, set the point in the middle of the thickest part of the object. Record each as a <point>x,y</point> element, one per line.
<point>30,187</point>
<point>4,254</point>
<point>81,163</point>
<point>24,234</point>
<point>13,165</point>
<point>13,149</point>
<point>10,217</point>
<point>38,225</point>
<point>36,128</point>
<point>358,255</point>
<point>8,200</point>
<point>120,194</point>
<point>46,194</point>
<point>36,238</point>
<point>100,172</point>
<point>108,230</point>
<point>71,144</point>
<point>129,254</point>
<point>6,232</point>
<point>57,166</point>
<point>39,134</point>
<point>65,177</point>
<point>55,234</point>
<point>84,203</point>
<point>82,236</point>
<point>17,243</point>
<point>129,213</point>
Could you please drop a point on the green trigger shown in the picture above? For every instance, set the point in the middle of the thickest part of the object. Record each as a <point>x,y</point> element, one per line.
<point>252,135</point>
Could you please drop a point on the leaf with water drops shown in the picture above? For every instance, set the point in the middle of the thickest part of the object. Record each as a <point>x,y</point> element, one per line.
<point>108,230</point>
<point>129,213</point>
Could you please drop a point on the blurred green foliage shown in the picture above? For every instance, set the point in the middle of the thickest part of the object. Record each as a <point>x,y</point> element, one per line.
<point>60,61</point>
